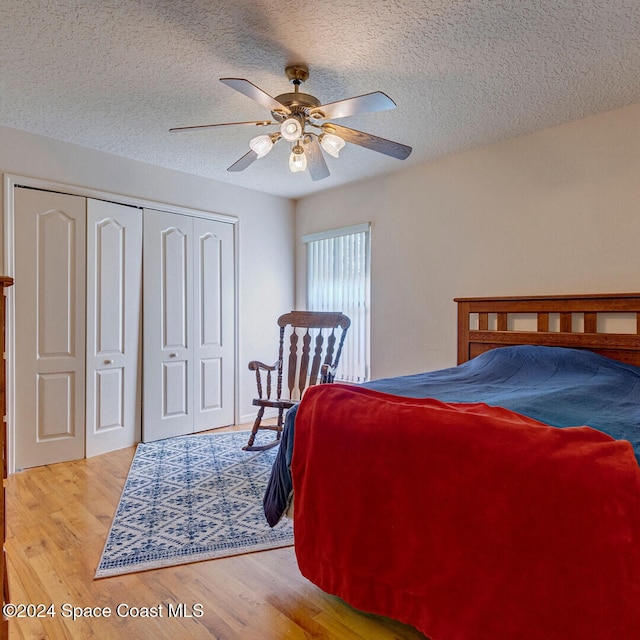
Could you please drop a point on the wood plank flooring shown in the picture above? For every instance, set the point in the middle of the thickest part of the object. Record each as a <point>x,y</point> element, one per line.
<point>58,520</point>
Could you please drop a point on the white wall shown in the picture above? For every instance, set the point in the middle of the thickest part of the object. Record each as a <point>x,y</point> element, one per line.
<point>266,223</point>
<point>553,212</point>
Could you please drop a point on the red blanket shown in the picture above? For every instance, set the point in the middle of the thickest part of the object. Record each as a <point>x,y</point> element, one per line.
<point>469,522</point>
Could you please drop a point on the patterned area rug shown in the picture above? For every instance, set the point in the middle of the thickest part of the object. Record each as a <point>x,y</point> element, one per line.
<point>192,498</point>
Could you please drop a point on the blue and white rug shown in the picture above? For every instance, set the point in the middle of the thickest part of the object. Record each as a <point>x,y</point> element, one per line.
<point>192,498</point>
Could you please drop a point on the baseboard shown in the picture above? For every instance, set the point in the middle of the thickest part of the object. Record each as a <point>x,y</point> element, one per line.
<point>250,417</point>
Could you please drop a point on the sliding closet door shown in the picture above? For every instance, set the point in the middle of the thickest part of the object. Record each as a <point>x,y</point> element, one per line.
<point>214,324</point>
<point>114,300</point>
<point>189,325</point>
<point>49,407</point>
<point>168,325</point>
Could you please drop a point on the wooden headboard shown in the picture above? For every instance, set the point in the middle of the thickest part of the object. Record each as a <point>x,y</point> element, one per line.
<point>576,321</point>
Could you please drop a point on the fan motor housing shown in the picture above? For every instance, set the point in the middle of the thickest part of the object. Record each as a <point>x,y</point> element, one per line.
<point>297,103</point>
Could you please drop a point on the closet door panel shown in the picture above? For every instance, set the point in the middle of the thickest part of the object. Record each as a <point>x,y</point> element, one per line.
<point>214,323</point>
<point>168,325</point>
<point>210,387</point>
<point>175,389</point>
<point>175,279</point>
<point>57,267</point>
<point>50,237</point>
<point>108,410</point>
<point>114,289</point>
<point>55,400</point>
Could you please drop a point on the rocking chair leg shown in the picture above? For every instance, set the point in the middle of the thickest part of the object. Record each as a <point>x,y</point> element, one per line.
<point>256,426</point>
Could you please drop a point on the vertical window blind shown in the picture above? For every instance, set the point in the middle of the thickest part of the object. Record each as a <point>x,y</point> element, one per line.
<point>338,279</point>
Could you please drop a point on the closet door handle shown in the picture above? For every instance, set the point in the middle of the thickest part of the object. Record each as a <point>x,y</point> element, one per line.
<point>173,355</point>
<point>108,361</point>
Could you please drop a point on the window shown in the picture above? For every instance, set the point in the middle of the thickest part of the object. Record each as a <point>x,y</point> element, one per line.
<point>338,279</point>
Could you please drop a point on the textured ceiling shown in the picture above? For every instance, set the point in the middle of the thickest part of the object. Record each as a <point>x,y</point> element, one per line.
<point>115,75</point>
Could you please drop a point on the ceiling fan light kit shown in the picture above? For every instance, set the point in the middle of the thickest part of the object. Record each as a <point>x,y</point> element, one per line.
<point>263,144</point>
<point>296,114</point>
<point>297,159</point>
<point>291,129</point>
<point>331,143</point>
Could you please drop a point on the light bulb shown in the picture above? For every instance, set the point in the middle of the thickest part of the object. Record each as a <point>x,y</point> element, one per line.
<point>297,159</point>
<point>261,145</point>
<point>331,144</point>
<point>291,129</point>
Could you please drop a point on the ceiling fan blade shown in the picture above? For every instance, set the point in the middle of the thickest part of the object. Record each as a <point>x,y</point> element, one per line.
<point>199,127</point>
<point>376,101</point>
<point>247,159</point>
<point>255,93</point>
<point>315,160</point>
<point>369,141</point>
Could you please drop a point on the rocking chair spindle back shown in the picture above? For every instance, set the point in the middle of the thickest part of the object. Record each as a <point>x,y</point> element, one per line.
<point>323,330</point>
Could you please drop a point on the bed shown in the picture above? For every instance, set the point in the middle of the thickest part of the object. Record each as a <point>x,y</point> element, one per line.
<point>494,500</point>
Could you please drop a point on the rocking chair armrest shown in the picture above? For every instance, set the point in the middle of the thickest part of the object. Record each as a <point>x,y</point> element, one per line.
<point>256,364</point>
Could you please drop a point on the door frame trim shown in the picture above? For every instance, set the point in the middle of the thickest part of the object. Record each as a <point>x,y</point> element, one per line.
<point>10,181</point>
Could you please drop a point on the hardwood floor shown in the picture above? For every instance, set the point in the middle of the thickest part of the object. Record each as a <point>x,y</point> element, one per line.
<point>58,520</point>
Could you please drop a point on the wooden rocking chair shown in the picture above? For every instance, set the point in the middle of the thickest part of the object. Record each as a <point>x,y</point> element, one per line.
<point>310,362</point>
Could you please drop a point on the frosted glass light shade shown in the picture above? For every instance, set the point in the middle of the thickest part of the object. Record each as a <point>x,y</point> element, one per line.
<point>291,129</point>
<point>261,145</point>
<point>331,144</point>
<point>297,159</point>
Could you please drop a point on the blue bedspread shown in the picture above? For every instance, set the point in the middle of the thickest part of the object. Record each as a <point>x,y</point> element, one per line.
<point>557,386</point>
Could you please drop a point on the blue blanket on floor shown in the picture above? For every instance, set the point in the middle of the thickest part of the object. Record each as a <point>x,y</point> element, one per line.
<point>560,387</point>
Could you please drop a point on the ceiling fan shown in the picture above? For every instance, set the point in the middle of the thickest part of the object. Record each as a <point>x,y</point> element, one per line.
<point>302,121</point>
